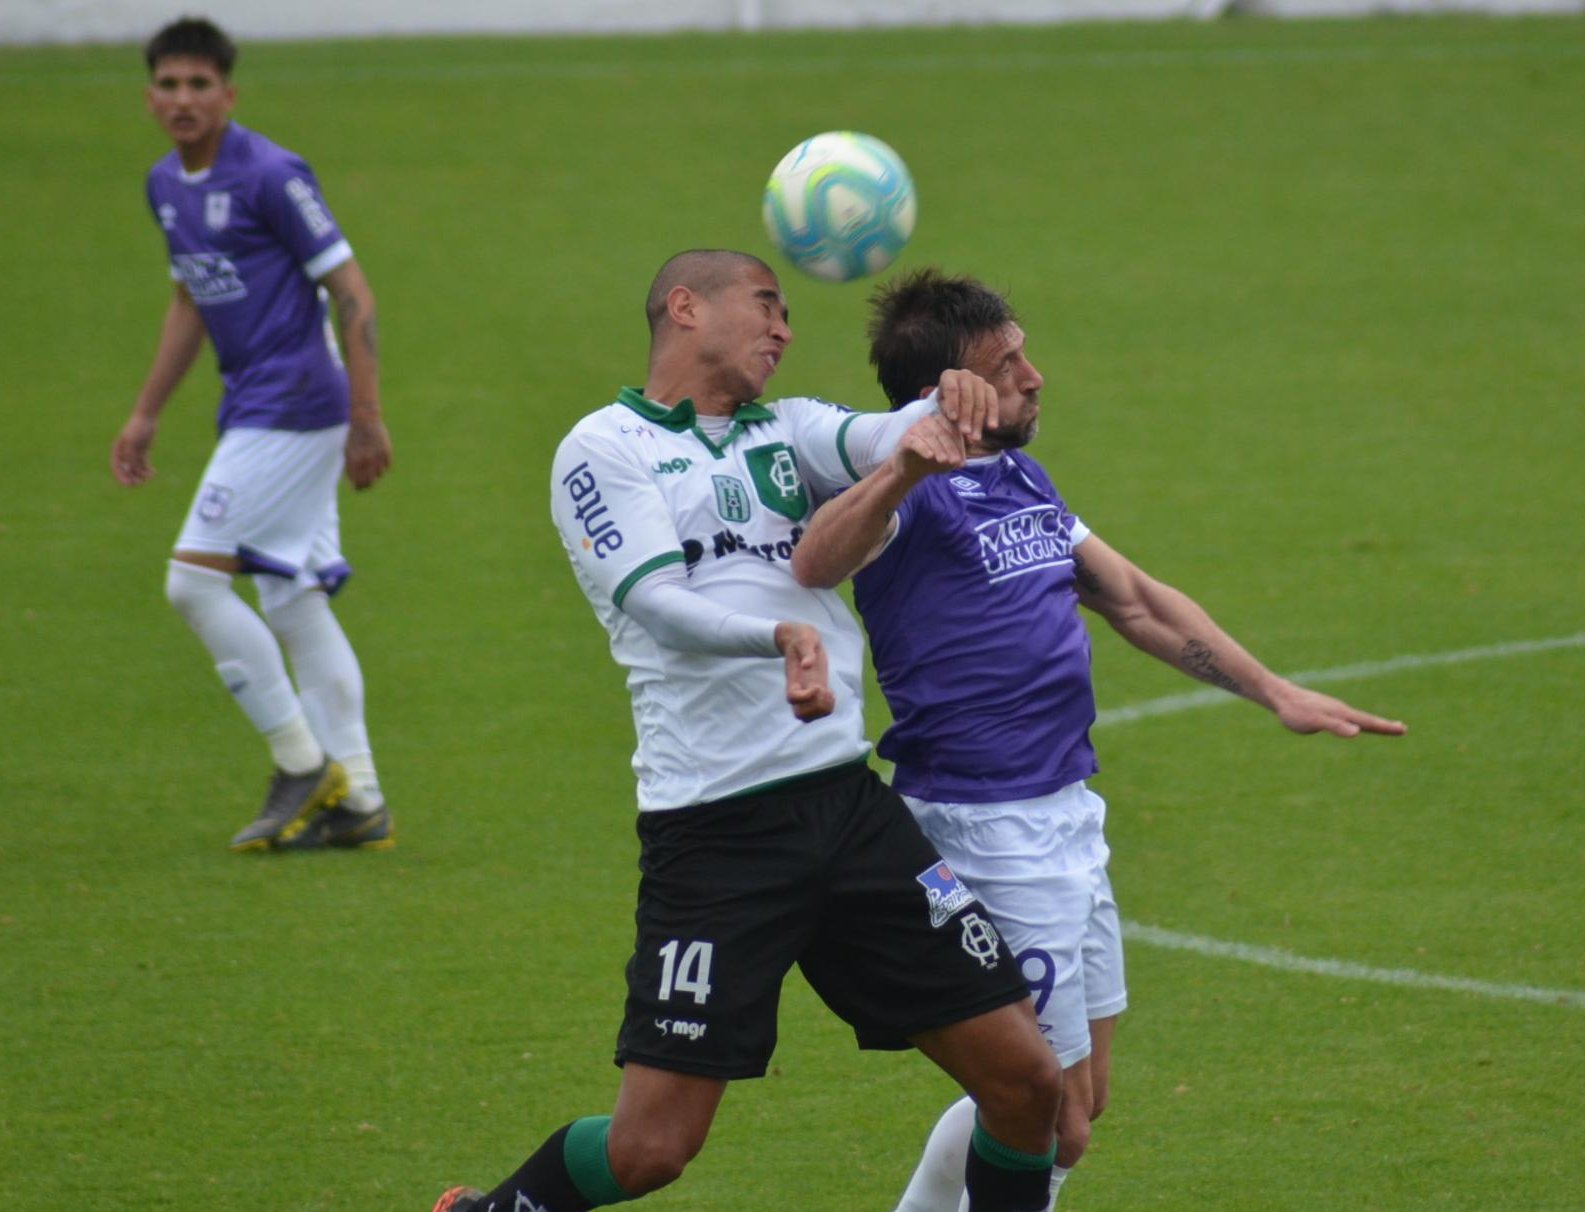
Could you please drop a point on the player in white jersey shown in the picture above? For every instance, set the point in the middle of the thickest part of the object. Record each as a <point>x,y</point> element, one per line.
<point>969,585</point>
<point>765,838</point>
<point>250,242</point>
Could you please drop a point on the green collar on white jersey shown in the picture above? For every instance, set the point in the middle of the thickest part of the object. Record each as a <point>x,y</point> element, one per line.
<point>681,418</point>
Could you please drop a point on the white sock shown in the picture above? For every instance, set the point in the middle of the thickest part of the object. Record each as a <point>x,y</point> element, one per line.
<point>247,658</point>
<point>937,1183</point>
<point>293,746</point>
<point>1058,1176</point>
<point>331,686</point>
<point>363,785</point>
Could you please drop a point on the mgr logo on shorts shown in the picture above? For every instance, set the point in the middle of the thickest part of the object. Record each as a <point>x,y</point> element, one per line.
<point>776,479</point>
<point>945,893</point>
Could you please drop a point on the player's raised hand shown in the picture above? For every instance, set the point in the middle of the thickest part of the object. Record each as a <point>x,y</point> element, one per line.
<point>928,447</point>
<point>969,402</point>
<point>368,452</point>
<point>808,681</point>
<point>1306,711</point>
<point>129,456</point>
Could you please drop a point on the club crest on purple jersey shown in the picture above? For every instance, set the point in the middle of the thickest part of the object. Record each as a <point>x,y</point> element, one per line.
<point>217,210</point>
<point>944,892</point>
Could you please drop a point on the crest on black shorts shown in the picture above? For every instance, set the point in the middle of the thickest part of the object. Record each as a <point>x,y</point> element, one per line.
<point>981,940</point>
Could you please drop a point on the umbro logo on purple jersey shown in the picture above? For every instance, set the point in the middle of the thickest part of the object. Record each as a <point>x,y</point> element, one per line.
<point>966,487</point>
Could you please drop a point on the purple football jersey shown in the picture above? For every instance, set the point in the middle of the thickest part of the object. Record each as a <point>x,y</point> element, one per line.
<point>249,237</point>
<point>974,627</point>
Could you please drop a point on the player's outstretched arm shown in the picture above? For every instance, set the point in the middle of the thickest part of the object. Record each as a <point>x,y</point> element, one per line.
<point>1170,625</point>
<point>808,679</point>
<point>181,337</point>
<point>1304,711</point>
<point>847,532</point>
<point>368,443</point>
<point>867,439</point>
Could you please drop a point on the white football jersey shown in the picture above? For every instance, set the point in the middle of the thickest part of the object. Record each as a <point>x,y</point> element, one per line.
<point>636,487</point>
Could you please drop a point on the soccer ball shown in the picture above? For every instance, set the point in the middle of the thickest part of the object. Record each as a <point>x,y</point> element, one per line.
<point>840,205</point>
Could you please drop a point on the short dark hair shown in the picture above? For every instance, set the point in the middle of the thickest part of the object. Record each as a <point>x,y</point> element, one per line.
<point>193,38</point>
<point>923,323</point>
<point>705,270</point>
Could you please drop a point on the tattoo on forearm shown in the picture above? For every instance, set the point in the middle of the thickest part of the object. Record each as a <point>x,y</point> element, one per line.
<point>354,323</point>
<point>1088,581</point>
<point>1200,661</point>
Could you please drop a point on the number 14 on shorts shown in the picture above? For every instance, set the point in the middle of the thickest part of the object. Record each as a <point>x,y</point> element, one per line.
<point>690,974</point>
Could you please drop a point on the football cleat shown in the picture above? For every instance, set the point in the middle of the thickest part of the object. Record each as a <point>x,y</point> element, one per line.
<point>292,799</point>
<point>339,826</point>
<point>459,1199</point>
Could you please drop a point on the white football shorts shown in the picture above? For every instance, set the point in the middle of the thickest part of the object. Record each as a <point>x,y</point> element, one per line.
<point>268,496</point>
<point>1039,866</point>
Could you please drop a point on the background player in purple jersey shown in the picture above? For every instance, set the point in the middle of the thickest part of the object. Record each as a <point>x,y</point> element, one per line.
<point>254,252</point>
<point>955,549</point>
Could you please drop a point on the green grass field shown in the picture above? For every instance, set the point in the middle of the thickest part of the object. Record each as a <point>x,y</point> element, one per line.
<point>1307,297</point>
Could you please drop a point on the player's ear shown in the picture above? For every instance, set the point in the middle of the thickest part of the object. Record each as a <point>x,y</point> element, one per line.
<point>682,307</point>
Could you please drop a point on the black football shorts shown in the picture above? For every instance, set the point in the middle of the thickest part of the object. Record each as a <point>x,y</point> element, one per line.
<point>828,871</point>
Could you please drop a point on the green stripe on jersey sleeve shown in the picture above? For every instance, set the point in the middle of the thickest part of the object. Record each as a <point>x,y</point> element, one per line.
<point>842,448</point>
<point>642,571</point>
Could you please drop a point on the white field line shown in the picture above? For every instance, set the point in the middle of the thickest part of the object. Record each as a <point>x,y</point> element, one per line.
<point>738,60</point>
<point>1273,957</point>
<point>1173,703</point>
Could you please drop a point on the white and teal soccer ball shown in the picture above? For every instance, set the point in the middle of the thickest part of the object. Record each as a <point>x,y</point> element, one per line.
<point>840,205</point>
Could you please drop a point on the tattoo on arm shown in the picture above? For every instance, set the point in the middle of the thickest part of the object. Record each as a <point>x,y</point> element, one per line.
<point>1200,661</point>
<point>350,314</point>
<point>371,341</point>
<point>1088,581</point>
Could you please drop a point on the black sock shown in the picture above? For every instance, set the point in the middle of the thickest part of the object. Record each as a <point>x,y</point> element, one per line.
<point>543,1180</point>
<point>996,1188</point>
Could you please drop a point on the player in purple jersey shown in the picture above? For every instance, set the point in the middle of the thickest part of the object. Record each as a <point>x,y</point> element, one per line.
<point>254,252</point>
<point>969,569</point>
